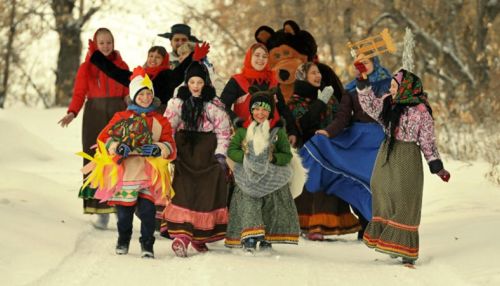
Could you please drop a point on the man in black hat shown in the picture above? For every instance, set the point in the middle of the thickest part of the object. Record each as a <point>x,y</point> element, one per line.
<point>178,35</point>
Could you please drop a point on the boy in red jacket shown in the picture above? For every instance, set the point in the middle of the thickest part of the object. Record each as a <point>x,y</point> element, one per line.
<point>134,135</point>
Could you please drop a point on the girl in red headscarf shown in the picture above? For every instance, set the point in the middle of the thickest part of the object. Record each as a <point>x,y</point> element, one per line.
<point>255,72</point>
<point>102,97</point>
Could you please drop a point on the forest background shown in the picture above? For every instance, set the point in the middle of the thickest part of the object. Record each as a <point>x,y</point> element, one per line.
<point>457,51</point>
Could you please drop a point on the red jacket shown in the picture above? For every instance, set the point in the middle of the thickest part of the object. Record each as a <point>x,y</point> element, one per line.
<point>165,134</point>
<point>90,82</point>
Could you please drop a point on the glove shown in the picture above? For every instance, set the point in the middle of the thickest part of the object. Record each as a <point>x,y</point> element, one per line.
<point>123,150</point>
<point>444,175</point>
<point>360,67</point>
<point>326,94</point>
<point>151,150</point>
<point>201,51</point>
<point>92,47</point>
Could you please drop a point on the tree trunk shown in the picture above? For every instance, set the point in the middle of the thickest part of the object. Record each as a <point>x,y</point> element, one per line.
<point>70,47</point>
<point>481,68</point>
<point>68,61</point>
<point>8,53</point>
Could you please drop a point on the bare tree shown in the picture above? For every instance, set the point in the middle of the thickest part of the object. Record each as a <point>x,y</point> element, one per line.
<point>8,52</point>
<point>17,21</point>
<point>69,27</point>
<point>461,63</point>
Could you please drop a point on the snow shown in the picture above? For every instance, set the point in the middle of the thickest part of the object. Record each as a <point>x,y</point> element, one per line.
<point>46,240</point>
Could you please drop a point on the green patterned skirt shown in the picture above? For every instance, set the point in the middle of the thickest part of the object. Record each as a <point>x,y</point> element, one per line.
<point>397,187</point>
<point>272,218</point>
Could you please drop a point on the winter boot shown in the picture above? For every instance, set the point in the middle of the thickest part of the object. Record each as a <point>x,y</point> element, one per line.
<point>147,247</point>
<point>364,224</point>
<point>101,222</point>
<point>249,244</point>
<point>315,236</point>
<point>265,246</point>
<point>122,245</point>
<point>408,262</point>
<point>179,246</point>
<point>199,246</point>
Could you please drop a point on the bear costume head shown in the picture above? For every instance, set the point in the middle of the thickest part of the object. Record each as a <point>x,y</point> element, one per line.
<point>290,47</point>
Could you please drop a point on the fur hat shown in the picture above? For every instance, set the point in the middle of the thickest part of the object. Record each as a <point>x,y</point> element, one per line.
<point>180,29</point>
<point>139,80</point>
<point>264,98</point>
<point>197,69</point>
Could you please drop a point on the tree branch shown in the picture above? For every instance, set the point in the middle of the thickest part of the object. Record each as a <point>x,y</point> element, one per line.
<point>43,96</point>
<point>199,16</point>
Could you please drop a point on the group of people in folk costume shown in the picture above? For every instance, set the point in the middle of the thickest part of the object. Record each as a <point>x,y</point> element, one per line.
<point>232,153</point>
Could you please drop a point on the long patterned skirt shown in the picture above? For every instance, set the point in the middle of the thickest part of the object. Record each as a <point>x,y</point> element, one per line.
<point>97,113</point>
<point>397,187</point>
<point>198,210</point>
<point>324,214</point>
<point>272,218</point>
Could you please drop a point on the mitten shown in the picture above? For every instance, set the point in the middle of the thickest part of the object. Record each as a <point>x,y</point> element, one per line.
<point>444,175</point>
<point>201,51</point>
<point>151,150</point>
<point>92,47</point>
<point>361,70</point>
<point>326,94</point>
<point>123,150</point>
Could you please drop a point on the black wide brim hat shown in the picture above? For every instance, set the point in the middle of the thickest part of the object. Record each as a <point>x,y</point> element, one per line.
<point>180,29</point>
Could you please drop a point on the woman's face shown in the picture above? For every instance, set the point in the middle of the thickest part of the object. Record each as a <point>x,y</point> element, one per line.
<point>314,76</point>
<point>105,43</point>
<point>260,114</point>
<point>154,59</point>
<point>368,64</point>
<point>195,85</point>
<point>259,59</point>
<point>144,98</point>
<point>394,88</point>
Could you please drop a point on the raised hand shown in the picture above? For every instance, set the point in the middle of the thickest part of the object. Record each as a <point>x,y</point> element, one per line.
<point>326,94</point>
<point>92,47</point>
<point>201,51</point>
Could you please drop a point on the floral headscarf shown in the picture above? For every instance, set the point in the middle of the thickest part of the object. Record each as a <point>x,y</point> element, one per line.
<point>410,90</point>
<point>302,70</point>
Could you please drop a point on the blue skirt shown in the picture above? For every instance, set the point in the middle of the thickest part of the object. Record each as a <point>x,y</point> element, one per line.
<point>343,165</point>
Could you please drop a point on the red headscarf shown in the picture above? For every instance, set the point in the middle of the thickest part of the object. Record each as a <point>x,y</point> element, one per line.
<point>153,71</point>
<point>114,55</point>
<point>265,75</point>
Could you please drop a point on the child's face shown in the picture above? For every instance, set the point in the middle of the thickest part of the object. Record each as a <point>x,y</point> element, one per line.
<point>394,88</point>
<point>314,76</point>
<point>105,43</point>
<point>144,98</point>
<point>259,59</point>
<point>183,53</point>
<point>154,59</point>
<point>195,85</point>
<point>260,114</point>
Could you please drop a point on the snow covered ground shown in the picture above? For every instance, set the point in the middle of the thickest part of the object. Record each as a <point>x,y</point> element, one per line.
<point>46,240</point>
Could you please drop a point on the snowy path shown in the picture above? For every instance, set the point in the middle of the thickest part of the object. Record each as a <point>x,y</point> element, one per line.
<point>47,241</point>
